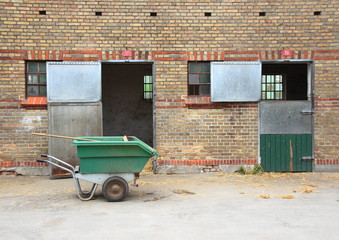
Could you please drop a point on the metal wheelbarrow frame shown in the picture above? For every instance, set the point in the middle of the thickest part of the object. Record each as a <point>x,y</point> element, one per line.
<point>114,185</point>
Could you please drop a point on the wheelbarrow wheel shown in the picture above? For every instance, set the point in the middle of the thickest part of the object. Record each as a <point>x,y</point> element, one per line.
<point>115,189</point>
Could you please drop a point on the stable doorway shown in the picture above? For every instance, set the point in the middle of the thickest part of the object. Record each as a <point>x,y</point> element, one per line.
<point>127,100</point>
<point>286,120</point>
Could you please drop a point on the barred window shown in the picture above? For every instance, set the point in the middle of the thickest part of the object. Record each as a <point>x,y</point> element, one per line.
<point>199,78</point>
<point>272,87</point>
<point>36,78</point>
<point>148,87</point>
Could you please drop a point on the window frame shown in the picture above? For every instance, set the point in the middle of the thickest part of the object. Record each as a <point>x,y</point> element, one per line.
<point>196,86</point>
<point>38,73</point>
<point>283,85</point>
<point>148,83</point>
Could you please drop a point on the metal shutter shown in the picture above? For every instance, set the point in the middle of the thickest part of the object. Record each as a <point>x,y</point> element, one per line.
<point>235,81</point>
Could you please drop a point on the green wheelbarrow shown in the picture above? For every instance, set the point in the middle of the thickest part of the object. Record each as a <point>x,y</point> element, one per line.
<point>112,162</point>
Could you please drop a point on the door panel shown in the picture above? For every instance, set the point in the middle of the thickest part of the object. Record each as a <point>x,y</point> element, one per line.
<point>283,117</point>
<point>286,135</point>
<point>73,120</point>
<point>286,152</point>
<point>74,106</point>
<point>73,82</point>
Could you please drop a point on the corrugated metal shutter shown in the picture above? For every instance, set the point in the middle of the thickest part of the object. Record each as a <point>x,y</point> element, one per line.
<point>235,81</point>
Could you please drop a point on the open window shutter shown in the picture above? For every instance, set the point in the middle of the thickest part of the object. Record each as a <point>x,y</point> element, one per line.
<point>235,81</point>
<point>73,82</point>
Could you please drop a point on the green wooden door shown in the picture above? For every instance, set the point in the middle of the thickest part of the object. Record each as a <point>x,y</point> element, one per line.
<point>286,152</point>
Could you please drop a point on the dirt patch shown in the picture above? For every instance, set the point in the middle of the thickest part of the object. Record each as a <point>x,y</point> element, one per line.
<point>183,192</point>
<point>154,199</point>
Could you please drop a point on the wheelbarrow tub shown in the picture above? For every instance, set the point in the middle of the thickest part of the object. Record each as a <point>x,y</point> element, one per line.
<point>113,155</point>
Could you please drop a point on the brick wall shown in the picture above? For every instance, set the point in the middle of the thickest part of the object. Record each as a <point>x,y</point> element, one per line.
<point>16,142</point>
<point>179,25</point>
<point>327,110</point>
<point>208,136</point>
<point>186,128</point>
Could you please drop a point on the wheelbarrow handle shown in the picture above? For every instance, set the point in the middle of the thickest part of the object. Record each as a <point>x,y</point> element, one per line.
<point>39,160</point>
<point>58,160</point>
<point>57,165</point>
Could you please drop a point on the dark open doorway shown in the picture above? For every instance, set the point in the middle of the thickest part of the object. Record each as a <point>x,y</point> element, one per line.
<point>127,99</point>
<point>284,81</point>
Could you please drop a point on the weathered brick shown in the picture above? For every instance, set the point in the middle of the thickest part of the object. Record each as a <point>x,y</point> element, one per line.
<point>179,33</point>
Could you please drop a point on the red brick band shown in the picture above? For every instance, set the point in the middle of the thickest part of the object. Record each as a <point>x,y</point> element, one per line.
<point>8,164</point>
<point>204,102</point>
<point>327,161</point>
<point>9,100</point>
<point>165,55</point>
<point>232,162</point>
<point>190,102</point>
<point>207,162</point>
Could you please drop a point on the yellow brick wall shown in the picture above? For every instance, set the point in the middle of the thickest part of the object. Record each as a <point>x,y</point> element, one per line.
<point>179,33</point>
<point>179,25</point>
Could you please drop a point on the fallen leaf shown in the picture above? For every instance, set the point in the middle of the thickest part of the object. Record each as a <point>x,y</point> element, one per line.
<point>307,190</point>
<point>287,196</point>
<point>263,196</point>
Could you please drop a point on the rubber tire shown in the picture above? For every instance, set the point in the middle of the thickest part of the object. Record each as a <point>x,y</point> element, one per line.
<point>115,189</point>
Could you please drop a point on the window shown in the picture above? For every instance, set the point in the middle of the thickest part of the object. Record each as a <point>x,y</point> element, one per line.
<point>36,78</point>
<point>272,87</point>
<point>199,78</point>
<point>148,88</point>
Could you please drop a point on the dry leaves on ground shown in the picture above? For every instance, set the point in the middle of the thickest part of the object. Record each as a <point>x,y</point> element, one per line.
<point>263,196</point>
<point>287,196</point>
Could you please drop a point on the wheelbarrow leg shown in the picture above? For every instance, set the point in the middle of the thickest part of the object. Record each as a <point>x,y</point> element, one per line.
<point>84,193</point>
<point>85,196</point>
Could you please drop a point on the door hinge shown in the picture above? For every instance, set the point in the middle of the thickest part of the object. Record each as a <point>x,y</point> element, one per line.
<point>307,112</point>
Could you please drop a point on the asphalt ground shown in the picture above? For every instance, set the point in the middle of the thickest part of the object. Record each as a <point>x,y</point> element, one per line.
<point>193,206</point>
